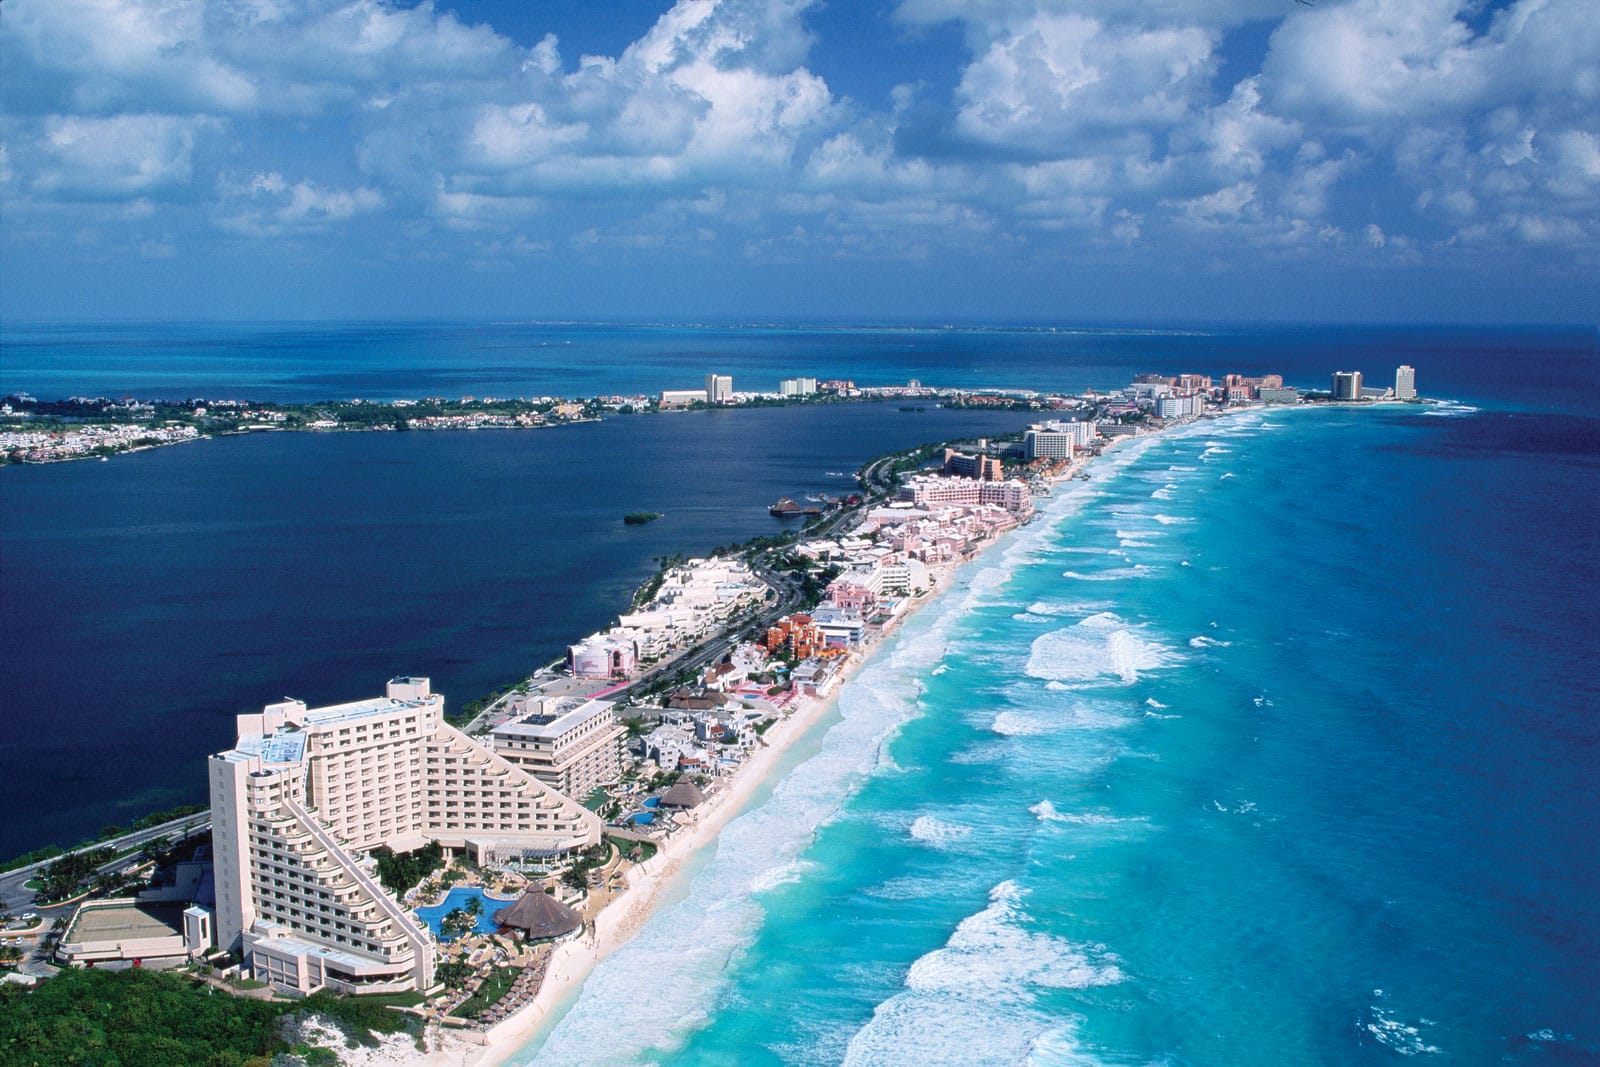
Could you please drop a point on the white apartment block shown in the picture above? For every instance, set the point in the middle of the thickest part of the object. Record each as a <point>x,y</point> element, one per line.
<point>1179,406</point>
<point>306,793</point>
<point>569,746</point>
<point>719,388</point>
<point>695,600</point>
<point>797,387</point>
<point>1056,440</point>
<point>1405,382</point>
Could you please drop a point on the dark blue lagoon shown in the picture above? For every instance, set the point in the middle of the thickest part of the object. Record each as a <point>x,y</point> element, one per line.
<point>150,599</point>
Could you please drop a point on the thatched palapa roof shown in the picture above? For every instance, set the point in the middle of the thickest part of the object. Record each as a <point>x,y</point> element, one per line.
<point>683,795</point>
<point>540,914</point>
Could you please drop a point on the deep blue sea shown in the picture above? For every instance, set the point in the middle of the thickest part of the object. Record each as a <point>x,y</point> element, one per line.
<point>1276,742</point>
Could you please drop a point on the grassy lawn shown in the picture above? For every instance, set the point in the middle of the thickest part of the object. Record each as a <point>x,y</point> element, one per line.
<point>494,987</point>
<point>646,848</point>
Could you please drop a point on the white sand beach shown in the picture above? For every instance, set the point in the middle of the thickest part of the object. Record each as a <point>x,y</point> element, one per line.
<point>572,960</point>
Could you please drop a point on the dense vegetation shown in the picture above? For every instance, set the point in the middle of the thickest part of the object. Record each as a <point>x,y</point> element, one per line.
<point>70,874</point>
<point>159,1018</point>
<point>399,871</point>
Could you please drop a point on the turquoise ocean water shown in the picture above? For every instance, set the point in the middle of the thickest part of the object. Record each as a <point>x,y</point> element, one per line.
<point>1274,743</point>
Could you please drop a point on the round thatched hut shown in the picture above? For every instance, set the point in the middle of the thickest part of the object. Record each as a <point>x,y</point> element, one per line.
<point>539,915</point>
<point>683,795</point>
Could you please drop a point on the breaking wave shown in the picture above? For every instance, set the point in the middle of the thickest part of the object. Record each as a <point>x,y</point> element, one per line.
<point>1100,648</point>
<point>974,1001</point>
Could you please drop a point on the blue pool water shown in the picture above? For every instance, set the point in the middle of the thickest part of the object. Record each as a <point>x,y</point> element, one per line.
<point>457,898</point>
<point>653,802</point>
<point>643,818</point>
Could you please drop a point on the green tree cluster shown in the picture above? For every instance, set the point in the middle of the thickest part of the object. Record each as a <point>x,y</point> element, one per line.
<point>399,871</point>
<point>141,1018</point>
<point>71,873</point>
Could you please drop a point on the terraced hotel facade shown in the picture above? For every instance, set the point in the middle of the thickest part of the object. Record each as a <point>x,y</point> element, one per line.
<point>306,794</point>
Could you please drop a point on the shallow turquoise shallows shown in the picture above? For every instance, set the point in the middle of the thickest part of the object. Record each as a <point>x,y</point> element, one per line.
<point>1274,743</point>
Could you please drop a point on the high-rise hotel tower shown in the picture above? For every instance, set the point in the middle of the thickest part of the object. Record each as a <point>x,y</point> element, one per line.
<point>306,794</point>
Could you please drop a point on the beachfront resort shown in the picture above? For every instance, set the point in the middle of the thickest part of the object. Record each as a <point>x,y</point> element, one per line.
<point>372,847</point>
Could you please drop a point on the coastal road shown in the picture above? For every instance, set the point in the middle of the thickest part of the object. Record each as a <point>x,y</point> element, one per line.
<point>15,894</point>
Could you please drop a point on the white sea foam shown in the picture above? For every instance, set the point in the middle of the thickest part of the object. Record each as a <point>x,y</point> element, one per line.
<point>1133,535</point>
<point>1100,648</point>
<point>974,1000</point>
<point>1076,607</point>
<point>1015,724</point>
<point>1202,641</point>
<point>1131,543</point>
<point>1158,715</point>
<point>1381,1025</point>
<point>1226,475</point>
<point>936,831</point>
<point>1244,808</point>
<point>1046,812</point>
<point>1114,574</point>
<point>1170,520</point>
<point>914,887</point>
<point>940,669</point>
<point>783,874</point>
<point>989,579</point>
<point>1152,702</point>
<point>1166,492</point>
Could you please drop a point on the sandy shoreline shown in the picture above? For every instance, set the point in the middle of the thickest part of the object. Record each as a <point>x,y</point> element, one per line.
<point>573,960</point>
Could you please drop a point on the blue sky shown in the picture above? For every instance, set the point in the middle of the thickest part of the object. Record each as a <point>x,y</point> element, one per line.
<point>877,160</point>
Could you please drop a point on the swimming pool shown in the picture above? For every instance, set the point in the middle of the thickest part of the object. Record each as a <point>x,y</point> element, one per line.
<point>457,898</point>
<point>641,818</point>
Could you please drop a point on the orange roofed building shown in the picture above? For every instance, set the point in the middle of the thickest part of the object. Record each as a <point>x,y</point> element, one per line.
<point>799,633</point>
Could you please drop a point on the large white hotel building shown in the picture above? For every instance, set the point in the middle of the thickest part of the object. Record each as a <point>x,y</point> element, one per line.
<point>306,793</point>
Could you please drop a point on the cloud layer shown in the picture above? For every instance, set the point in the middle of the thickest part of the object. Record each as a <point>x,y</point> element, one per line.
<point>1342,136</point>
